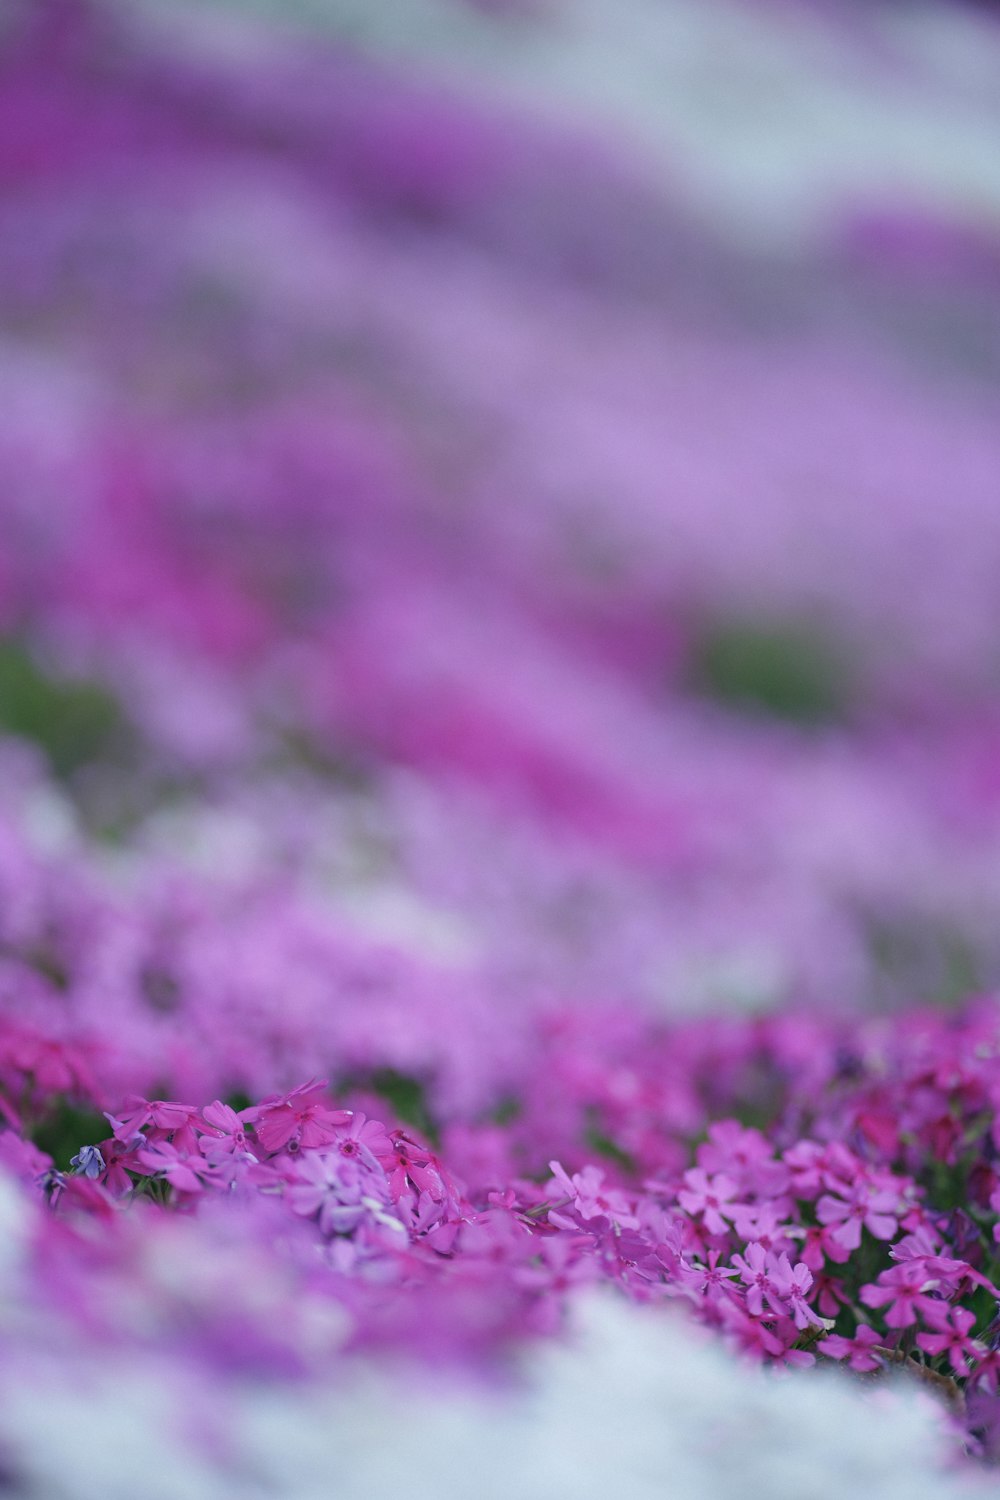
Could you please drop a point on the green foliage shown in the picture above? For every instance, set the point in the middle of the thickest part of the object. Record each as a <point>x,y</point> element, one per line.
<point>981,1302</point>
<point>604,1146</point>
<point>159,988</point>
<point>46,960</point>
<point>66,1128</point>
<point>506,1110</point>
<point>948,1186</point>
<point>785,670</point>
<point>238,1100</point>
<point>406,1095</point>
<point>298,748</point>
<point>921,957</point>
<point>74,721</point>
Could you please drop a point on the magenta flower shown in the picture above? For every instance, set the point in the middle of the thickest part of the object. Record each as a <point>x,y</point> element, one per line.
<point>118,1160</point>
<point>815,1167</point>
<point>591,1199</point>
<point>412,1168</point>
<point>296,1120</point>
<point>709,1281</point>
<point>748,1332</point>
<point>55,1067</point>
<point>341,1193</point>
<point>188,1174</point>
<point>367,1140</point>
<point>830,1294</point>
<point>903,1290</point>
<point>766,1222</point>
<point>226,1127</point>
<point>986,1370</point>
<point>858,1351</point>
<point>921,1242</point>
<point>562,1264</point>
<point>158,1120</point>
<point>793,1285</point>
<point>953,1326</point>
<point>422,1213</point>
<point>876,1209</point>
<point>745,1155</point>
<point>756,1270</point>
<point>709,1197</point>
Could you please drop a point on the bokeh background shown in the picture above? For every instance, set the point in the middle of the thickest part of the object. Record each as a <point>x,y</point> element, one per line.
<point>534,465</point>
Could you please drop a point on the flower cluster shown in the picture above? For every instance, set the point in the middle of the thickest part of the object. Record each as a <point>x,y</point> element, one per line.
<point>849,1226</point>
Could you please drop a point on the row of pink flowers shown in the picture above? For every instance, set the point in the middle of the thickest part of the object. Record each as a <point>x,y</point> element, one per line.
<point>815,1234</point>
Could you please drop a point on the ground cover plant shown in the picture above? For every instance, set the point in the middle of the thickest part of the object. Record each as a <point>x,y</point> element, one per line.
<point>499,734</point>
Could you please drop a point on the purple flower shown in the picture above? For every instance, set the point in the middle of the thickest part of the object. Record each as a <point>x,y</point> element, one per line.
<point>864,1204</point>
<point>756,1270</point>
<point>903,1291</point>
<point>952,1328</point>
<point>709,1280</point>
<point>341,1192</point>
<point>592,1199</point>
<point>858,1351</point>
<point>793,1285</point>
<point>711,1197</point>
<point>88,1162</point>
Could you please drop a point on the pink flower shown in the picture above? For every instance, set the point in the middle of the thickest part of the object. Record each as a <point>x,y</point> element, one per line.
<point>340,1192</point>
<point>413,1168</point>
<point>858,1351</point>
<point>986,1371</point>
<point>188,1174</point>
<point>118,1160</point>
<point>297,1119</point>
<point>767,1223</point>
<point>814,1167</point>
<point>226,1127</point>
<point>55,1066</point>
<point>756,1272</point>
<point>160,1119</point>
<point>922,1242</point>
<point>953,1325</point>
<point>707,1281</point>
<point>591,1199</point>
<point>904,1288</point>
<point>562,1264</point>
<point>793,1285</point>
<point>866,1205</point>
<point>745,1155</point>
<point>710,1197</point>
<point>421,1213</point>
<point>749,1333</point>
<point>367,1140</point>
<point>830,1295</point>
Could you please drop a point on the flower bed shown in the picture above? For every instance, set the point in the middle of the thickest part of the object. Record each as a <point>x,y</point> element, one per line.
<point>498,725</point>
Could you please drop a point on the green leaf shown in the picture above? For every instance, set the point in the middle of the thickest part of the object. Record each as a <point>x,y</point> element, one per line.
<point>406,1094</point>
<point>73,720</point>
<point>65,1129</point>
<point>786,670</point>
<point>606,1147</point>
<point>238,1101</point>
